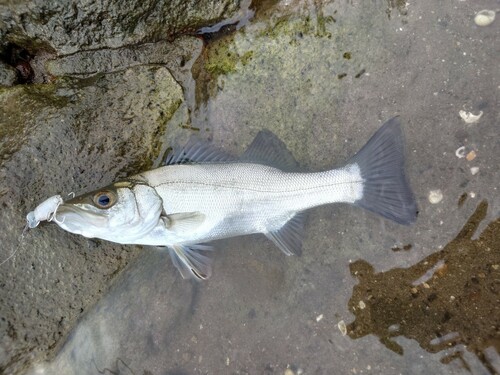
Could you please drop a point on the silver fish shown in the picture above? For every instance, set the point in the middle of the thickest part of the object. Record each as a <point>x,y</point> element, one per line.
<point>203,194</point>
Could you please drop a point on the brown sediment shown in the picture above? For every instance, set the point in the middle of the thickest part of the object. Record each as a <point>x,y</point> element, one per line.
<point>451,297</point>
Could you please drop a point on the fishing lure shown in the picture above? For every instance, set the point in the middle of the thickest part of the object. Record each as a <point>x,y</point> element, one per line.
<point>44,211</point>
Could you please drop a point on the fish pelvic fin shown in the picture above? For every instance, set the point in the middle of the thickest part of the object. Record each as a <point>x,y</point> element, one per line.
<point>191,262</point>
<point>386,190</point>
<point>289,237</point>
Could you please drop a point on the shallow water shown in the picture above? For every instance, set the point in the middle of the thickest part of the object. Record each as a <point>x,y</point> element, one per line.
<point>367,295</point>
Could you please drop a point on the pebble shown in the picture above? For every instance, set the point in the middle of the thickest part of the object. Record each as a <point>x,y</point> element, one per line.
<point>474,170</point>
<point>342,327</point>
<point>435,196</point>
<point>470,117</point>
<point>471,155</point>
<point>484,17</point>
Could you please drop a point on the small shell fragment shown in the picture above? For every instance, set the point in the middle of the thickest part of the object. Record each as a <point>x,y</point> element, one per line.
<point>470,117</point>
<point>342,327</point>
<point>319,318</point>
<point>474,170</point>
<point>471,155</point>
<point>435,196</point>
<point>484,17</point>
<point>460,152</point>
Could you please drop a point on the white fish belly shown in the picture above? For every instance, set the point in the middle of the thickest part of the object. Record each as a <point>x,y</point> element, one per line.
<point>242,198</point>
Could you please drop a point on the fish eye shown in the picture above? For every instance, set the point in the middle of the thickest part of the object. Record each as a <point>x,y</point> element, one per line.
<point>104,199</point>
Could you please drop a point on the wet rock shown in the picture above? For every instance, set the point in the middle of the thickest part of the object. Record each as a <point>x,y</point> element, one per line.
<point>86,63</point>
<point>72,135</point>
<point>8,75</point>
<point>65,27</point>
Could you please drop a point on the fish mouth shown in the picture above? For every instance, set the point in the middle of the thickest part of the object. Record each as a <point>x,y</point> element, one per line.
<point>77,219</point>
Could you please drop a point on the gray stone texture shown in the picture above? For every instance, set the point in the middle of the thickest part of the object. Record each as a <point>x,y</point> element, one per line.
<point>66,27</point>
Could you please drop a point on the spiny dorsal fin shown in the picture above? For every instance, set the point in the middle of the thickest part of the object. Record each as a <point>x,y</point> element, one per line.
<point>198,151</point>
<point>190,261</point>
<point>289,237</point>
<point>268,149</point>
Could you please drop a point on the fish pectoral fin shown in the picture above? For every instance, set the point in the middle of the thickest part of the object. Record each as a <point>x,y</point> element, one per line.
<point>190,261</point>
<point>289,237</point>
<point>184,222</point>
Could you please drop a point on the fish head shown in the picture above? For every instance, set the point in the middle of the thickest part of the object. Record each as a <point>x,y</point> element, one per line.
<point>122,212</point>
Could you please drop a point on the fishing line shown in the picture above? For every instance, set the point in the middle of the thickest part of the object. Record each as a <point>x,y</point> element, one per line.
<point>18,245</point>
<point>44,211</point>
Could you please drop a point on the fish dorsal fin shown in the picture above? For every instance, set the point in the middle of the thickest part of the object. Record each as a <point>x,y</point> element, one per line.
<point>289,237</point>
<point>183,223</point>
<point>190,261</point>
<point>268,149</point>
<point>198,151</point>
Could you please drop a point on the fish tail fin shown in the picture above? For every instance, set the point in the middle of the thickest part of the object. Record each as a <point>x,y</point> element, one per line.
<point>385,188</point>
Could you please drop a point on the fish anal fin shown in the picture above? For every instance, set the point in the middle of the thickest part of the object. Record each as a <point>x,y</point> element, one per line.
<point>289,237</point>
<point>190,261</point>
<point>268,149</point>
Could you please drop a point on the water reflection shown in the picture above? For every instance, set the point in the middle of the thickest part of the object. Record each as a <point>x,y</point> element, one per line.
<point>448,302</point>
<point>140,317</point>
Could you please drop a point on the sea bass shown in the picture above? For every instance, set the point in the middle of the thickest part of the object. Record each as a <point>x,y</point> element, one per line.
<point>203,194</point>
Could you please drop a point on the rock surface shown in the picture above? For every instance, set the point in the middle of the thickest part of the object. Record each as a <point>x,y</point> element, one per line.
<point>66,27</point>
<point>70,135</point>
<point>8,75</point>
<point>106,84</point>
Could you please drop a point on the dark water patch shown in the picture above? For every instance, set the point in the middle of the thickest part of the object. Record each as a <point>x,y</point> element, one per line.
<point>448,301</point>
<point>227,26</point>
